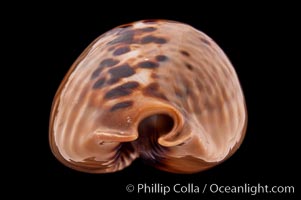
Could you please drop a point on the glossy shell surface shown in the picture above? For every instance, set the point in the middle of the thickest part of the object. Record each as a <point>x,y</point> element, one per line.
<point>155,89</point>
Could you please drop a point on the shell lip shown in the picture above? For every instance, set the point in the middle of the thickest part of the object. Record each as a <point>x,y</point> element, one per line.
<point>114,136</point>
<point>174,113</point>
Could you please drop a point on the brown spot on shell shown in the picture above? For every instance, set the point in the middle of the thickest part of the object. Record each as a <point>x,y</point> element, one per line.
<point>161,58</point>
<point>121,50</point>
<point>148,64</point>
<point>189,66</point>
<point>205,41</point>
<point>153,39</point>
<point>99,83</point>
<point>152,90</point>
<point>109,62</point>
<point>126,37</point>
<point>122,90</point>
<point>185,53</point>
<point>124,104</point>
<point>119,72</point>
<point>96,73</point>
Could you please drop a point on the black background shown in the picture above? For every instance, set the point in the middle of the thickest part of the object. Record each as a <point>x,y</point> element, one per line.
<point>256,38</point>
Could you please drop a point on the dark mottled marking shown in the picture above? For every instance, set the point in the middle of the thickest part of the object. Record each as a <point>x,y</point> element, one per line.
<point>147,39</point>
<point>161,58</point>
<point>126,37</point>
<point>129,32</point>
<point>153,91</point>
<point>148,29</point>
<point>96,72</point>
<point>120,72</point>
<point>99,83</point>
<point>150,38</point>
<point>121,50</point>
<point>109,62</point>
<point>185,53</point>
<point>112,80</point>
<point>205,41</point>
<point>121,105</point>
<point>160,41</point>
<point>130,85</point>
<point>115,93</point>
<point>122,90</point>
<point>189,66</point>
<point>148,64</point>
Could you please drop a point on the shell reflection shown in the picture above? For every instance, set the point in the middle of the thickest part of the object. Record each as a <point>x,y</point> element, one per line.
<point>155,89</point>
